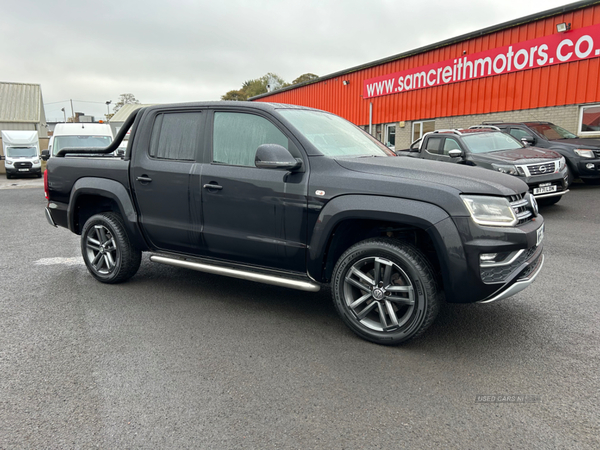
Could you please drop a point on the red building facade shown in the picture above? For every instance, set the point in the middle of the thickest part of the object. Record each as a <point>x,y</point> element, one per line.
<point>541,67</point>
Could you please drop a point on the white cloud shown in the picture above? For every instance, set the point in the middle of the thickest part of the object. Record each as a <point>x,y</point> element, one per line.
<point>197,50</point>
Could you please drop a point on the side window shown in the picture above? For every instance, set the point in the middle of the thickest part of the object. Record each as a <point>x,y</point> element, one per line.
<point>176,136</point>
<point>236,137</point>
<point>518,133</point>
<point>433,145</point>
<point>450,144</point>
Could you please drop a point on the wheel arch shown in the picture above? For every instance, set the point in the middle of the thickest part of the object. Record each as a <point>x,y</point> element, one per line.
<point>90,196</point>
<point>349,219</point>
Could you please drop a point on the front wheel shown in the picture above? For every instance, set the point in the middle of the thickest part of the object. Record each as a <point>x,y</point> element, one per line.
<point>385,290</point>
<point>106,250</point>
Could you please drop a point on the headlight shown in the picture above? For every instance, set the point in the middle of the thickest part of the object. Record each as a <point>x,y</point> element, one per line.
<point>36,161</point>
<point>9,162</point>
<point>506,168</point>
<point>584,153</point>
<point>494,211</point>
<point>562,163</point>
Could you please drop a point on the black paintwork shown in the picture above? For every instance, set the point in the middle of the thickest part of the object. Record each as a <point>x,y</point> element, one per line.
<point>565,147</point>
<point>294,220</point>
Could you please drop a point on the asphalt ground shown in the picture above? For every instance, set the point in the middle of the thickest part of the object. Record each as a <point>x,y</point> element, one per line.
<point>177,359</point>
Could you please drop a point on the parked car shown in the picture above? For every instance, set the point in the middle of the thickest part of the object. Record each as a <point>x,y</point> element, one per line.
<point>544,171</point>
<point>582,154</point>
<point>297,197</point>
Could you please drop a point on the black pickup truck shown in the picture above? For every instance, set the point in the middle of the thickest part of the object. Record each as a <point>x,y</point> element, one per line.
<point>297,197</point>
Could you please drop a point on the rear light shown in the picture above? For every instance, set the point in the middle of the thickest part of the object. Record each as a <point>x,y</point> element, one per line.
<point>46,184</point>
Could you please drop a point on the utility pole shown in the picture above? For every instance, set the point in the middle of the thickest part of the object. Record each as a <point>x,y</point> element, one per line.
<point>65,114</point>
<point>108,102</point>
<point>72,112</point>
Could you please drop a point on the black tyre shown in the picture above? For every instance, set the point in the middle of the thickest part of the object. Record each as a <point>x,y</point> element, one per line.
<point>570,177</point>
<point>106,250</point>
<point>549,200</point>
<point>385,290</point>
<point>8,176</point>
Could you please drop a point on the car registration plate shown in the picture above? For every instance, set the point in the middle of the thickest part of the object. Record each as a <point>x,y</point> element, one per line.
<point>544,189</point>
<point>23,170</point>
<point>540,235</point>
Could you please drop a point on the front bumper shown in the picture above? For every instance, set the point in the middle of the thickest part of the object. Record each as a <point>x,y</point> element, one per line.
<point>522,282</point>
<point>24,171</point>
<point>549,185</point>
<point>467,279</point>
<point>588,168</point>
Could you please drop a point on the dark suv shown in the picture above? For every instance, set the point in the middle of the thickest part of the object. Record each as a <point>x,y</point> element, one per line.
<point>544,171</point>
<point>582,154</point>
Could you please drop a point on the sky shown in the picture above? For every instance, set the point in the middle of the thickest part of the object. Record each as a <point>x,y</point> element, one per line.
<point>178,51</point>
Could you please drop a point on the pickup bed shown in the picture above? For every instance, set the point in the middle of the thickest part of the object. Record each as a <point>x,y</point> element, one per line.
<point>297,197</point>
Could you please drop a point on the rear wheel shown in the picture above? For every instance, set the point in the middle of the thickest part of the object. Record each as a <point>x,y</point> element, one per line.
<point>106,250</point>
<point>385,290</point>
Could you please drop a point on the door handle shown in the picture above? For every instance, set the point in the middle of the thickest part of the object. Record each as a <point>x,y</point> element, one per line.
<point>216,187</point>
<point>144,179</point>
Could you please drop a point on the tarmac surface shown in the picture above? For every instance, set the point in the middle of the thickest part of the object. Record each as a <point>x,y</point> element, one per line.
<point>180,359</point>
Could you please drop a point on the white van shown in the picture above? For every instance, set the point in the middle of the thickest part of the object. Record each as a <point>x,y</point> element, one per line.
<point>79,135</point>
<point>21,153</point>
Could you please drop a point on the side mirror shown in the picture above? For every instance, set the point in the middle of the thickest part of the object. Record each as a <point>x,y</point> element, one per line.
<point>45,155</point>
<point>528,140</point>
<point>2,158</point>
<point>455,153</point>
<point>274,156</point>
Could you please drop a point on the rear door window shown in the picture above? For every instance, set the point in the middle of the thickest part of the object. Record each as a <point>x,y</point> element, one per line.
<point>433,145</point>
<point>176,136</point>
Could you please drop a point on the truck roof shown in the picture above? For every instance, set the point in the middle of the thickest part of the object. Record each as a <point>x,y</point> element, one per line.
<point>19,137</point>
<point>82,129</point>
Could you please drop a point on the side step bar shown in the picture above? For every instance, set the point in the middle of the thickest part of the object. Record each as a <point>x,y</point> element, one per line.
<point>309,286</point>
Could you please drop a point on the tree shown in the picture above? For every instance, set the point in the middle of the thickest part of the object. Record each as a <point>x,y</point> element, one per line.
<point>125,99</point>
<point>252,88</point>
<point>305,77</point>
<point>234,96</point>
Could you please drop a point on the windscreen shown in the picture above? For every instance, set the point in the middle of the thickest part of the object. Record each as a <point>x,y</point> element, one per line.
<point>21,152</point>
<point>334,136</point>
<point>61,142</point>
<point>551,131</point>
<point>490,142</point>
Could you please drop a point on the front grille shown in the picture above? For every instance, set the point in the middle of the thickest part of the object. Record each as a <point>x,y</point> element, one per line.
<point>521,207</point>
<point>23,165</point>
<point>597,153</point>
<point>541,169</point>
<point>501,273</point>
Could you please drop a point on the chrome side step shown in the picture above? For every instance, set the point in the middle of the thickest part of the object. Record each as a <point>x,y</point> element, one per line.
<point>309,286</point>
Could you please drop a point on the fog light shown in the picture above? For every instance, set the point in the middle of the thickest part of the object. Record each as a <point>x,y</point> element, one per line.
<point>590,166</point>
<point>487,257</point>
